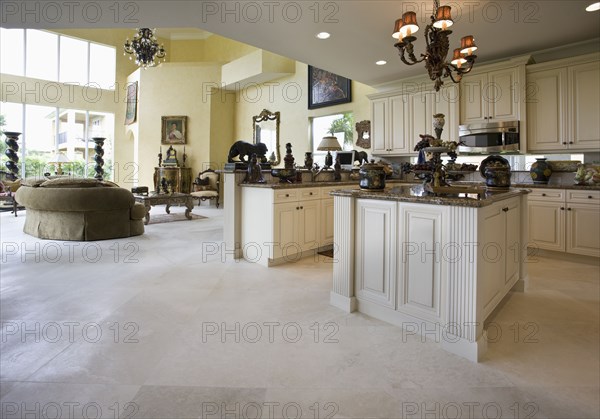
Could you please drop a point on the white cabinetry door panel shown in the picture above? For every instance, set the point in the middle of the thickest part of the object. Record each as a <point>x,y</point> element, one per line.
<point>473,107</point>
<point>513,241</point>
<point>285,229</point>
<point>585,106</point>
<point>399,139</point>
<point>546,225</point>
<point>379,126</point>
<point>419,257</point>
<point>375,260</point>
<point>546,107</point>
<point>309,233</point>
<point>503,95</point>
<point>327,212</point>
<point>421,116</point>
<point>493,257</point>
<point>583,229</point>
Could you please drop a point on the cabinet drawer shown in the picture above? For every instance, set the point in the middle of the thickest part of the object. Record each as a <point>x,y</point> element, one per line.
<point>285,195</point>
<point>583,196</point>
<point>549,195</point>
<point>305,194</point>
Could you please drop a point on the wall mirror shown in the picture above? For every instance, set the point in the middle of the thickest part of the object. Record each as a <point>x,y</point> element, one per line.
<point>265,129</point>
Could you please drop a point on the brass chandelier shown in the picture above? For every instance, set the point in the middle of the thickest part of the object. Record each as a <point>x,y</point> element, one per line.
<point>145,48</point>
<point>438,45</point>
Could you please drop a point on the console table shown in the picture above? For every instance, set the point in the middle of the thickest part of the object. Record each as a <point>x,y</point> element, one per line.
<point>166,199</point>
<point>180,178</point>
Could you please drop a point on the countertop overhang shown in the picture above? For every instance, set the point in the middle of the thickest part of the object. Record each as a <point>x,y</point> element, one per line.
<point>417,194</point>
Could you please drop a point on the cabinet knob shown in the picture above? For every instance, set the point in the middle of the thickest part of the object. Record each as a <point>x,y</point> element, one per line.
<point>568,209</point>
<point>570,142</point>
<point>287,195</point>
<point>590,197</point>
<point>297,208</point>
<point>543,194</point>
<point>301,207</point>
<point>565,143</point>
<point>505,209</point>
<point>310,193</point>
<point>562,208</point>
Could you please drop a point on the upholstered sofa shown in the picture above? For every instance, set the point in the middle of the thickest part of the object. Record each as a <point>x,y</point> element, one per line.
<point>79,209</point>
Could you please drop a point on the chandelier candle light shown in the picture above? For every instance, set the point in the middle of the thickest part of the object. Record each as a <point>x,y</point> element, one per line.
<point>147,51</point>
<point>438,45</point>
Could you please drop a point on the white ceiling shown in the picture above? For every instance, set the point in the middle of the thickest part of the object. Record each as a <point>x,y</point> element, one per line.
<point>361,29</point>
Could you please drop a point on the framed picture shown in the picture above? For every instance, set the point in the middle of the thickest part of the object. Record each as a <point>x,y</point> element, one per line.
<point>327,89</point>
<point>131,113</point>
<point>173,130</point>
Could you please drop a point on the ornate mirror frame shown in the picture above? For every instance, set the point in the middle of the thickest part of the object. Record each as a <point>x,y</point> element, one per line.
<point>266,119</point>
<point>363,128</point>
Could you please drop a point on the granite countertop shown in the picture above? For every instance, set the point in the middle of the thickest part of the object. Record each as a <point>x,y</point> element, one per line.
<point>416,194</point>
<point>279,185</point>
<point>549,185</point>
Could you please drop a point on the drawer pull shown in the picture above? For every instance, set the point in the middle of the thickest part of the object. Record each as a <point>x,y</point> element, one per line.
<point>543,194</point>
<point>570,142</point>
<point>301,207</point>
<point>590,197</point>
<point>564,143</point>
<point>287,195</point>
<point>562,208</point>
<point>312,193</point>
<point>297,208</point>
<point>505,209</point>
<point>569,209</point>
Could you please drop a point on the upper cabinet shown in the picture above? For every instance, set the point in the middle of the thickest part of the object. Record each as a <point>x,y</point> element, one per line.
<point>397,119</point>
<point>563,105</point>
<point>490,96</point>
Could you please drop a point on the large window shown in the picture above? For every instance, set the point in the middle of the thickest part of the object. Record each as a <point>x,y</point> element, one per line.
<point>56,135</point>
<point>321,126</point>
<point>49,56</point>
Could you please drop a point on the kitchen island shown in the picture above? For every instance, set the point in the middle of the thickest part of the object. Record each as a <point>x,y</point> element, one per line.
<point>434,265</point>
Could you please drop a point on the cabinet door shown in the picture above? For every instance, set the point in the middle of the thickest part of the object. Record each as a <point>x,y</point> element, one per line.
<point>447,101</point>
<point>285,229</point>
<point>513,241</point>
<point>309,232</point>
<point>493,257</point>
<point>379,127</point>
<point>546,225</point>
<point>546,110</point>
<point>421,117</point>
<point>583,229</point>
<point>473,107</point>
<point>326,222</point>
<point>502,94</point>
<point>584,106</point>
<point>420,260</point>
<point>375,244</point>
<point>399,140</point>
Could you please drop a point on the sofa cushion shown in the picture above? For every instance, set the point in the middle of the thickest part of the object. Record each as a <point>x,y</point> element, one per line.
<point>138,211</point>
<point>70,182</point>
<point>33,182</point>
<point>75,199</point>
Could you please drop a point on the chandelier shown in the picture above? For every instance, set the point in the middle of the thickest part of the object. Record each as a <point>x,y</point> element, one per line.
<point>438,45</point>
<point>147,51</point>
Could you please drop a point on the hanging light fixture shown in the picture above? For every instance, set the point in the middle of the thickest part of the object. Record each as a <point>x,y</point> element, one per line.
<point>438,45</point>
<point>147,51</point>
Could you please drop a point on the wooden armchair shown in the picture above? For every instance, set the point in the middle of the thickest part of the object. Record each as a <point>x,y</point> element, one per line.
<point>206,186</point>
<point>7,195</point>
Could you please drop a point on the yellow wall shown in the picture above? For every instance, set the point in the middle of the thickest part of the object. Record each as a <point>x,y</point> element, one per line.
<point>289,96</point>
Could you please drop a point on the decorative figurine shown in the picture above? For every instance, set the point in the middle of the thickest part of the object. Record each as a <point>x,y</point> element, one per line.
<point>160,157</point>
<point>184,157</point>
<point>254,173</point>
<point>171,160</point>
<point>362,157</point>
<point>163,186</point>
<point>337,169</point>
<point>244,151</point>
<point>289,158</point>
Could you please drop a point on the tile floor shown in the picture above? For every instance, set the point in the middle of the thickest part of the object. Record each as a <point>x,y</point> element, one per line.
<point>164,326</point>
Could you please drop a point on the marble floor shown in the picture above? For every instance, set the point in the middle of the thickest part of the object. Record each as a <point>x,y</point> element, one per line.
<point>166,325</point>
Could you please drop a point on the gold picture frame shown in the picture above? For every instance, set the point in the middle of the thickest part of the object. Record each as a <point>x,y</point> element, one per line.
<point>174,130</point>
<point>131,112</point>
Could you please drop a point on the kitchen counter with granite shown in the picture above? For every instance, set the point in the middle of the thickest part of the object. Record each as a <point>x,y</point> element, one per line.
<point>417,194</point>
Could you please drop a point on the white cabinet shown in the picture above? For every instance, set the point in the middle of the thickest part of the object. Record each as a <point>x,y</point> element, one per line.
<point>565,221</point>
<point>563,106</point>
<point>546,109</point>
<point>584,106</point>
<point>375,263</point>
<point>490,96</point>
<point>500,251</point>
<point>399,119</point>
<point>389,133</point>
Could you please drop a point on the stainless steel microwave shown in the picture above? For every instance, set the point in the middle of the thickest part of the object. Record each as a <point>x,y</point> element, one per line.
<point>489,137</point>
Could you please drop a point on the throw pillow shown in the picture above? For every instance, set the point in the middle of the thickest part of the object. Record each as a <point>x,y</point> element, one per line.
<point>70,182</point>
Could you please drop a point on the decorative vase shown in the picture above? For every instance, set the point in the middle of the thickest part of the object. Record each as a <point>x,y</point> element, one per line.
<point>12,152</point>
<point>540,171</point>
<point>98,157</point>
<point>308,160</point>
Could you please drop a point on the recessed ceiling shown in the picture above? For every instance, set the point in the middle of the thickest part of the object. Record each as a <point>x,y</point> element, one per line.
<point>360,29</point>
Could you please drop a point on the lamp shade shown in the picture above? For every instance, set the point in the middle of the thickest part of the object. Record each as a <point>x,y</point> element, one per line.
<point>443,18</point>
<point>59,158</point>
<point>329,143</point>
<point>458,59</point>
<point>467,45</point>
<point>397,26</point>
<point>410,25</point>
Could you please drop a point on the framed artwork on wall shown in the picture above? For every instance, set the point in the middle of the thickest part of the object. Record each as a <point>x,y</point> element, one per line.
<point>327,89</point>
<point>131,113</point>
<point>173,130</point>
